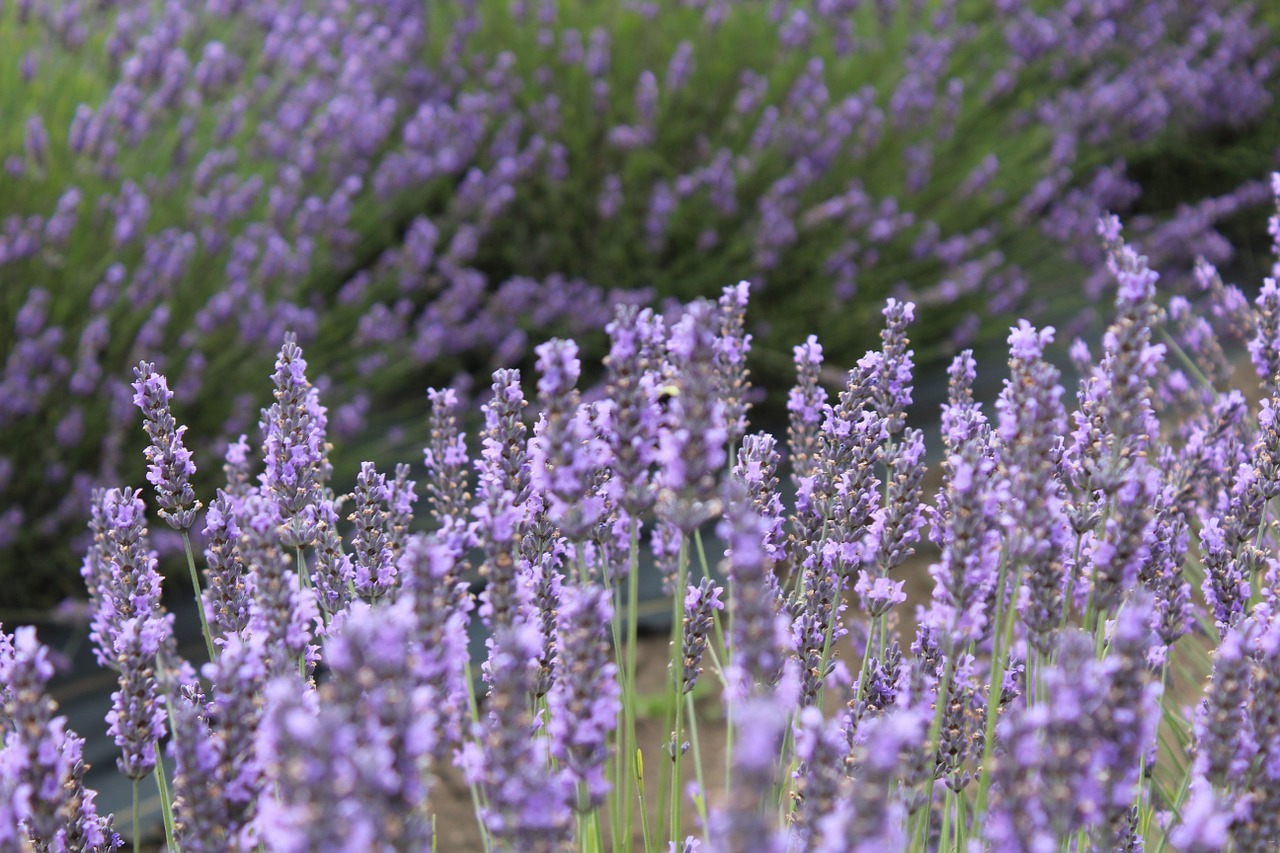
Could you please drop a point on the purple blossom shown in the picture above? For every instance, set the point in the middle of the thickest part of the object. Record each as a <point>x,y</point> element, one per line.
<point>238,676</point>
<point>806,403</point>
<point>633,388</point>
<point>1030,420</point>
<point>868,816</point>
<point>584,700</point>
<point>732,346</point>
<point>169,466</point>
<point>283,613</point>
<point>446,459</point>
<point>759,639</point>
<point>200,814</point>
<point>227,594</point>
<point>295,448</point>
<point>441,605</point>
<point>374,561</point>
<point>137,716</point>
<point>526,799</point>
<point>42,761</point>
<point>701,601</point>
<point>691,445</point>
<point>567,452</point>
<point>746,821</point>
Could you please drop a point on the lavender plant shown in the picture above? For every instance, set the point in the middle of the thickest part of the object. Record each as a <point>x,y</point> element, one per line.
<point>409,189</point>
<point>1048,686</point>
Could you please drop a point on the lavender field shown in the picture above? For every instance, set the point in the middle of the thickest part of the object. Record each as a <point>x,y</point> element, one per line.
<point>390,329</point>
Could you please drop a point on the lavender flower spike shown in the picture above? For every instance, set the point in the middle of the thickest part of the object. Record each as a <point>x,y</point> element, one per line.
<point>732,346</point>
<point>374,564</point>
<point>169,466</point>
<point>567,449</point>
<point>295,448</point>
<point>136,718</point>
<point>700,604</point>
<point>584,698</point>
<point>692,445</point>
<point>526,810</point>
<point>446,459</point>
<point>42,760</point>
<point>200,808</point>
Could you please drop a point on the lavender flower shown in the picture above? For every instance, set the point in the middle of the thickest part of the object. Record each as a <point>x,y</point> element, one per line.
<point>200,813</point>
<point>1264,348</point>
<point>820,750</point>
<point>805,402</point>
<point>967,522</point>
<point>868,816</point>
<point>441,607</point>
<point>893,392</point>
<point>295,448</point>
<point>635,416</point>
<point>583,702</point>
<point>169,466</point>
<point>732,346</point>
<point>374,562</point>
<point>446,459</point>
<point>227,596</point>
<point>1030,418</point>
<point>746,821</point>
<point>503,466</point>
<point>239,677</point>
<point>136,719</point>
<point>334,576</point>
<point>525,797</point>
<point>282,613</point>
<point>567,449</point>
<point>42,761</point>
<point>691,446</point>
<point>756,469</point>
<point>700,603</point>
<point>119,569</point>
<point>758,641</point>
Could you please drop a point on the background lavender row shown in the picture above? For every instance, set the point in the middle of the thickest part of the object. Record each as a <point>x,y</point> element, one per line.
<point>415,188</point>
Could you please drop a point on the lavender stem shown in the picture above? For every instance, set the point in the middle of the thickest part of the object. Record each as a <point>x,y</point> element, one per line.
<point>195,584</point>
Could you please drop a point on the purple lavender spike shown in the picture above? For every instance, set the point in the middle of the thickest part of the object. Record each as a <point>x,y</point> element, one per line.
<point>169,466</point>
<point>446,459</point>
<point>732,348</point>
<point>526,799</point>
<point>374,562</point>
<point>42,762</point>
<point>692,444</point>
<point>295,448</point>
<point>583,702</point>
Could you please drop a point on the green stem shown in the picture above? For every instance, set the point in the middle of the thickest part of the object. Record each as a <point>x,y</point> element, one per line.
<point>994,689</point>
<point>477,796</point>
<point>166,807</point>
<point>701,802</point>
<point>935,733</point>
<point>644,813</point>
<point>136,839</point>
<point>944,838</point>
<point>620,753</point>
<point>195,583</point>
<point>629,682</point>
<point>677,683</point>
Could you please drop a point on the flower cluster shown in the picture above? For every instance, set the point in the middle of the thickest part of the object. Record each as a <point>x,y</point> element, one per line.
<point>418,184</point>
<point>1043,687</point>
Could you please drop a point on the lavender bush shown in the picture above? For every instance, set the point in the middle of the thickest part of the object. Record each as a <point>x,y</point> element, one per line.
<point>1079,677</point>
<point>420,188</point>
